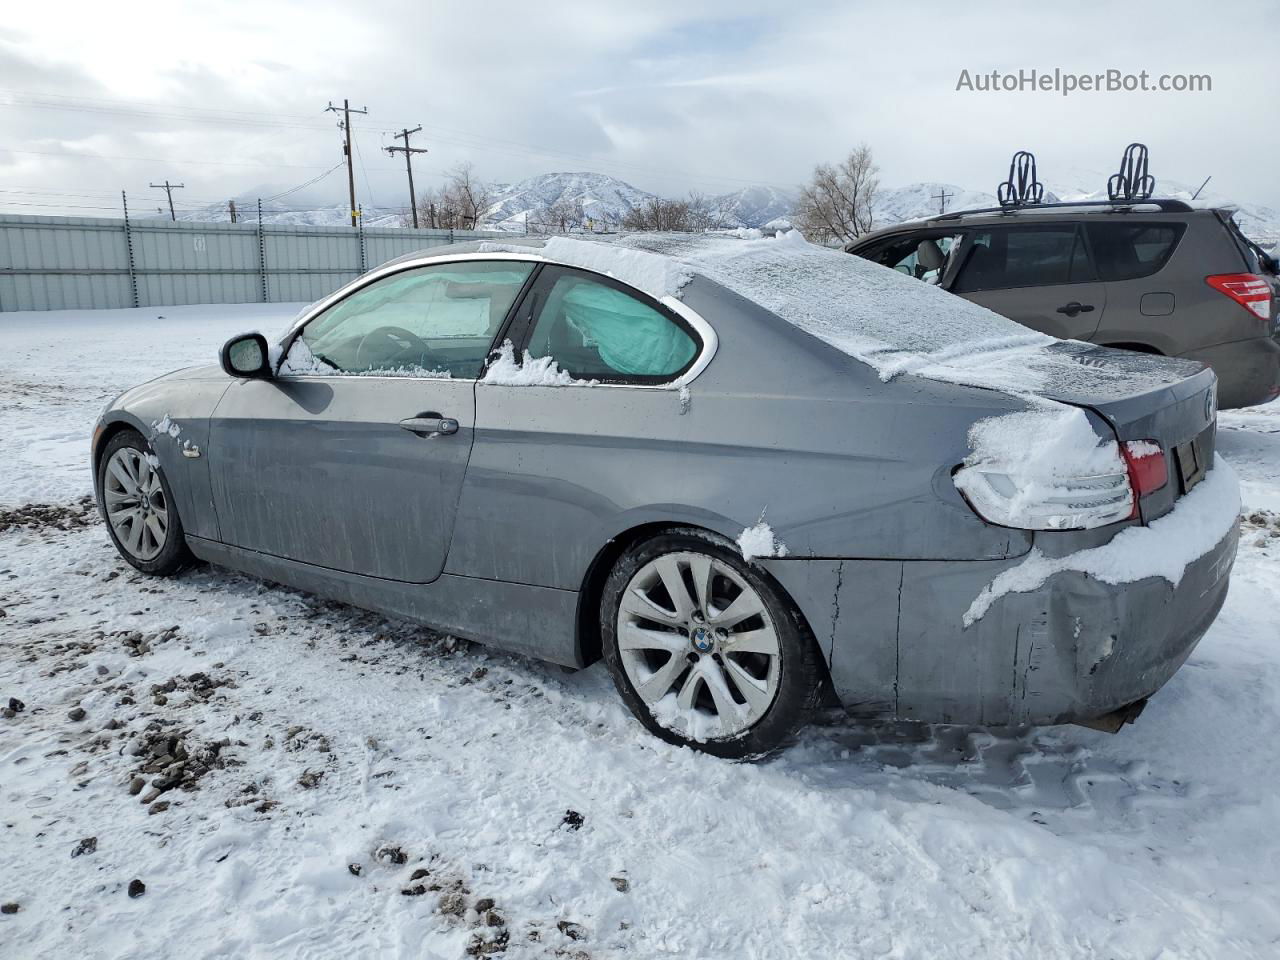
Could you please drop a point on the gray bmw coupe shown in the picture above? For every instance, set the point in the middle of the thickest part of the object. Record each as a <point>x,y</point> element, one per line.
<point>750,474</point>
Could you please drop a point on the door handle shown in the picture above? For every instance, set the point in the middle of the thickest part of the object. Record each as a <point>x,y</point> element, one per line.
<point>430,425</point>
<point>1074,307</point>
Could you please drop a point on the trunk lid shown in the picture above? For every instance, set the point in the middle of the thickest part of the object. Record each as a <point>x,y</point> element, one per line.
<point>1144,397</point>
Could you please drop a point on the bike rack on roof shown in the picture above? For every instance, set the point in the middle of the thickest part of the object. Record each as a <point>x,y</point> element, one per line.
<point>1120,206</point>
<point>1131,187</point>
<point>1132,182</point>
<point>1022,187</point>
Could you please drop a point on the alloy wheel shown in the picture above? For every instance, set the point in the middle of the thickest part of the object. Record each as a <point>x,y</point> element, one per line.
<point>698,646</point>
<point>136,506</point>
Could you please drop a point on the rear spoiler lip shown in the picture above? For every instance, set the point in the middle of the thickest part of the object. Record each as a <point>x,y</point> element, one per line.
<point>1122,414</point>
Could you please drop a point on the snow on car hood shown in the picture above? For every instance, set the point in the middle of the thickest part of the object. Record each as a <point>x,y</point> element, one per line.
<point>892,322</point>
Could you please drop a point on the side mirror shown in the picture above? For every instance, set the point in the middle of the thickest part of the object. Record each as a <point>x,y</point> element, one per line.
<point>246,356</point>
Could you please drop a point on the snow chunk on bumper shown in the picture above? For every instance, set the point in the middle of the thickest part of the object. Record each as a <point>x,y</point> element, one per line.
<point>1163,548</point>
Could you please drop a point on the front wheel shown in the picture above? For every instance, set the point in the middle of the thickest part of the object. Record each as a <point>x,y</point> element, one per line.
<point>706,650</point>
<point>137,503</point>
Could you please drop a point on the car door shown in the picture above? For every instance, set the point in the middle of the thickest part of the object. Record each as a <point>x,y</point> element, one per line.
<point>583,429</point>
<point>1038,275</point>
<point>353,456</point>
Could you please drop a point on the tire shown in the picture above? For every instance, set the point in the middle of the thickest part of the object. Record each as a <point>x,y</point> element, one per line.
<point>151,537</point>
<point>693,669</point>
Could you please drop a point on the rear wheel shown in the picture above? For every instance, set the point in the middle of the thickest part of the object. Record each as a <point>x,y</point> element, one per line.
<point>136,501</point>
<point>706,650</point>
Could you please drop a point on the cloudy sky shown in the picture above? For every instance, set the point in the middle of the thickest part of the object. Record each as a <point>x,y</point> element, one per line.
<point>228,97</point>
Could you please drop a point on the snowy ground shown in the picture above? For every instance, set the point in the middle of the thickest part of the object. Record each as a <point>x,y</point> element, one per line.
<point>325,746</point>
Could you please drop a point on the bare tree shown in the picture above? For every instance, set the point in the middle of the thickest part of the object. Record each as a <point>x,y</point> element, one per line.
<point>459,205</point>
<point>694,213</point>
<point>472,196</point>
<point>434,210</point>
<point>835,207</point>
<point>560,217</point>
<point>709,213</point>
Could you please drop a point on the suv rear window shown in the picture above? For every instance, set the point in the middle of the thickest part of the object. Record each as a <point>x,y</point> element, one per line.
<point>1023,257</point>
<point>1129,251</point>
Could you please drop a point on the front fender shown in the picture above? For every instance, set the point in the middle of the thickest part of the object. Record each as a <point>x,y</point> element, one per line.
<point>182,406</point>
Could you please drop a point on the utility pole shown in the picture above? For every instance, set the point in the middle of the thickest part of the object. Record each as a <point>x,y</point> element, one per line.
<point>942,197</point>
<point>345,124</point>
<point>233,210</point>
<point>168,189</point>
<point>408,152</point>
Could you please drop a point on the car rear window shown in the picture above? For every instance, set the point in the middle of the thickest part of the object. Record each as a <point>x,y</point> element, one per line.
<point>1129,251</point>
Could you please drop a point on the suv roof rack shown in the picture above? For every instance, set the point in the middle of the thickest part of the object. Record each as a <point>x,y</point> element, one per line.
<point>1165,205</point>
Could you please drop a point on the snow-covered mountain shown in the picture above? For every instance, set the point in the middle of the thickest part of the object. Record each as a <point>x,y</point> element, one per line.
<point>605,200</point>
<point>754,206</point>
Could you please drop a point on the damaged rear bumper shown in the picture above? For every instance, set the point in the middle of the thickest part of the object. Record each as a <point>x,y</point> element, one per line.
<point>1074,649</point>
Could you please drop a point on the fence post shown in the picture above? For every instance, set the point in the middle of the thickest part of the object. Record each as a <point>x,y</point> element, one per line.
<point>128,243</point>
<point>262,256</point>
<point>364,260</point>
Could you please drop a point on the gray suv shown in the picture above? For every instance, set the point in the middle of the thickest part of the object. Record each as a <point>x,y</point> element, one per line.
<point>1156,276</point>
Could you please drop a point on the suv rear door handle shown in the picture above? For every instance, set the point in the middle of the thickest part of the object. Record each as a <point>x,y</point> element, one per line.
<point>1074,307</point>
<point>430,425</point>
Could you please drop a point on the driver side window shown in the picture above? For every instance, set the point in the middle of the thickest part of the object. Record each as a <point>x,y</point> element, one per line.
<point>920,255</point>
<point>433,322</point>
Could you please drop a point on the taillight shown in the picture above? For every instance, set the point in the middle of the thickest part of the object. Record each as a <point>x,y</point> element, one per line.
<point>1148,471</point>
<point>1247,289</point>
<point>1064,502</point>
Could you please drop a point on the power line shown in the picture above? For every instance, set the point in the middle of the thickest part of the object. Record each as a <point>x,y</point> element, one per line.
<point>364,172</point>
<point>305,184</point>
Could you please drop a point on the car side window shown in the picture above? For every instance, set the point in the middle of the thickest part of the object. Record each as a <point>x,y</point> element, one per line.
<point>596,331</point>
<point>920,255</point>
<point>1033,256</point>
<point>1129,251</point>
<point>436,321</point>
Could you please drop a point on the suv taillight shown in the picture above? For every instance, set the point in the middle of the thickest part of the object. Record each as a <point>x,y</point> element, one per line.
<point>1247,289</point>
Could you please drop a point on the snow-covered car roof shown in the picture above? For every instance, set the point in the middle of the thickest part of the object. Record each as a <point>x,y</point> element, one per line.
<point>892,322</point>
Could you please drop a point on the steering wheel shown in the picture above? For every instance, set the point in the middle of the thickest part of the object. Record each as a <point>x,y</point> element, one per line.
<point>393,334</point>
